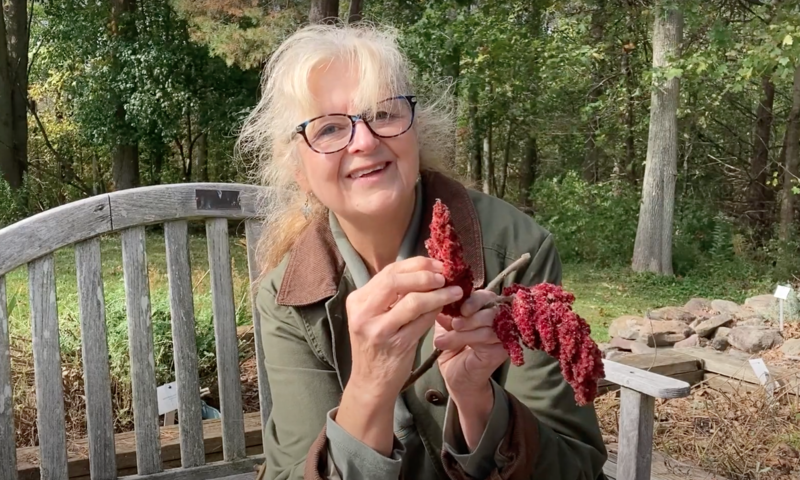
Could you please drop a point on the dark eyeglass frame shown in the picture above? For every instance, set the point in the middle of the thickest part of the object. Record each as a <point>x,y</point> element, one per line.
<point>301,129</point>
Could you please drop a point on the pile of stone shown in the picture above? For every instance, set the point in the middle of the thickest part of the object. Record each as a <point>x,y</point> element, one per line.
<point>719,324</point>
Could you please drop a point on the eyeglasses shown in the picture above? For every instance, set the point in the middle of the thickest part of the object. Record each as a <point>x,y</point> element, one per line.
<point>334,132</point>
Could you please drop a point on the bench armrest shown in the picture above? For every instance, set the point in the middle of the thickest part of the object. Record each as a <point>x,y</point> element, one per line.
<point>642,381</point>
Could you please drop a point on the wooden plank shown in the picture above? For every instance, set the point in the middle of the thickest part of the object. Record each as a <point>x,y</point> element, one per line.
<point>28,457</point>
<point>730,385</point>
<point>692,378</point>
<point>739,368</point>
<point>252,234</point>
<point>662,361</point>
<point>210,471</point>
<point>8,457</point>
<point>47,368</point>
<point>635,435</point>
<point>94,348</point>
<point>649,383</point>
<point>184,337</point>
<point>50,230</point>
<point>162,203</point>
<point>230,389</point>
<point>140,333</point>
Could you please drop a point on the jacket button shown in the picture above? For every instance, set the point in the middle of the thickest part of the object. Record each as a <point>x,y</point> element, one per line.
<point>435,397</point>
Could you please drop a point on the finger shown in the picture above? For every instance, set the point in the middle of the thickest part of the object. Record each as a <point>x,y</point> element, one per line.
<point>454,340</point>
<point>389,289</point>
<point>484,318</point>
<point>416,304</point>
<point>445,321</point>
<point>415,264</point>
<point>415,329</point>
<point>476,301</point>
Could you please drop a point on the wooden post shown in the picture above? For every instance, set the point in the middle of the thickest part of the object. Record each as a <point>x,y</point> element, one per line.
<point>635,435</point>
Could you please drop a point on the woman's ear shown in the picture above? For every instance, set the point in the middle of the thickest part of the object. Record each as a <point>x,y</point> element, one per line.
<point>302,181</point>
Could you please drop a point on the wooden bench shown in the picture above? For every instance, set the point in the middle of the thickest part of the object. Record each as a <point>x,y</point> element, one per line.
<point>32,243</point>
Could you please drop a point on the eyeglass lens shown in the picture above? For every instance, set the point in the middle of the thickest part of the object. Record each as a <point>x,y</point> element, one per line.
<point>332,132</point>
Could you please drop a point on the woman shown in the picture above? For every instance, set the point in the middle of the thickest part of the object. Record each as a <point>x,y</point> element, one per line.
<point>350,303</point>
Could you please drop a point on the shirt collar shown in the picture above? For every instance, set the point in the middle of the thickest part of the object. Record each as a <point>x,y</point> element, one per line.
<point>317,259</point>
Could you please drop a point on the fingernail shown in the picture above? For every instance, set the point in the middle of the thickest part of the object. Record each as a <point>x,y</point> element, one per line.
<point>439,278</point>
<point>458,323</point>
<point>456,291</point>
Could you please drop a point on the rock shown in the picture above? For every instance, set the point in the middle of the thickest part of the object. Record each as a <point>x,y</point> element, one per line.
<point>754,339</point>
<point>693,341</point>
<point>791,347</point>
<point>763,305</point>
<point>752,321</point>
<point>720,341</point>
<point>699,307</point>
<point>706,328</point>
<point>697,321</point>
<point>621,343</point>
<point>640,348</point>
<point>615,354</point>
<point>725,306</point>
<point>650,332</point>
<point>671,313</point>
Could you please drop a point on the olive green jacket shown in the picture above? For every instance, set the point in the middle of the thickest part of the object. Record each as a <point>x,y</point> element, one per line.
<point>307,356</point>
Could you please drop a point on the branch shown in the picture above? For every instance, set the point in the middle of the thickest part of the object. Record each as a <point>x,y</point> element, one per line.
<point>428,363</point>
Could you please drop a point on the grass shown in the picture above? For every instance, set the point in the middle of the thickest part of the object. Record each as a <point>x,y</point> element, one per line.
<point>603,294</point>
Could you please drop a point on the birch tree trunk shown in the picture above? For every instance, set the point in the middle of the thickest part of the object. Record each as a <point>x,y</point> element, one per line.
<point>757,190</point>
<point>790,174</point>
<point>653,247</point>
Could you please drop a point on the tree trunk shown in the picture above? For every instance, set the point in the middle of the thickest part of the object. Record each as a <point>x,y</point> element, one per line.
<point>17,25</point>
<point>592,154</point>
<point>8,164</point>
<point>757,189</point>
<point>630,88</point>
<point>488,164</point>
<point>790,179</point>
<point>324,11</point>
<point>527,173</point>
<point>125,161</point>
<point>501,190</point>
<point>201,159</point>
<point>476,162</point>
<point>653,247</point>
<point>356,7</point>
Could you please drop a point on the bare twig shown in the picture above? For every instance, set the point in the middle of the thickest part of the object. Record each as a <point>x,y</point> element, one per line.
<point>429,362</point>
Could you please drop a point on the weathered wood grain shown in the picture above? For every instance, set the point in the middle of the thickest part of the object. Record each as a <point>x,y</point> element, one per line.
<point>140,332</point>
<point>8,455</point>
<point>635,435</point>
<point>210,471</point>
<point>47,368</point>
<point>94,346</point>
<point>230,390</point>
<point>252,234</point>
<point>649,383</point>
<point>740,369</point>
<point>28,457</point>
<point>157,204</point>
<point>181,304</point>
<point>48,231</point>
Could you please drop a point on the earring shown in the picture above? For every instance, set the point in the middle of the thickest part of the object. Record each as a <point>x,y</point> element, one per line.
<point>306,209</point>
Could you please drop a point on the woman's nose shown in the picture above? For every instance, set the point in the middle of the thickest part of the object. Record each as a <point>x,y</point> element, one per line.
<point>363,139</point>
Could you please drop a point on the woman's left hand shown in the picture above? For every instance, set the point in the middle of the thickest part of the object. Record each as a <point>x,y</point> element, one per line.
<point>471,351</point>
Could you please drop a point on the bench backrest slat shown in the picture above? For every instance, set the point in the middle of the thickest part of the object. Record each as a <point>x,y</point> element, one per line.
<point>47,368</point>
<point>636,411</point>
<point>8,453</point>
<point>94,348</point>
<point>228,375</point>
<point>176,235</point>
<point>252,233</point>
<point>140,334</point>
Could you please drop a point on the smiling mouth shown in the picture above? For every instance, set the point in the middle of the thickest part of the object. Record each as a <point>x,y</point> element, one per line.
<point>369,171</point>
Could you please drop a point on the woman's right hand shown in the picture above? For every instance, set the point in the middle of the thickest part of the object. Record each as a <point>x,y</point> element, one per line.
<point>387,317</point>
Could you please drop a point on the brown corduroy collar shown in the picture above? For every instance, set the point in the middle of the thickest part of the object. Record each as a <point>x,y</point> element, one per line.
<point>315,265</point>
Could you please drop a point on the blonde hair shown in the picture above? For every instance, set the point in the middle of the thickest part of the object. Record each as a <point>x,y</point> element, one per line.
<point>266,136</point>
